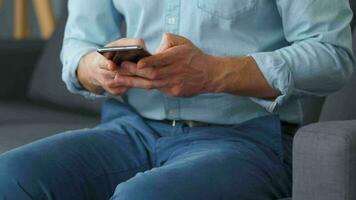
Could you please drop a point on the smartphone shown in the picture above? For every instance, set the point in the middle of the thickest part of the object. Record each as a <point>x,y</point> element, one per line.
<point>119,54</point>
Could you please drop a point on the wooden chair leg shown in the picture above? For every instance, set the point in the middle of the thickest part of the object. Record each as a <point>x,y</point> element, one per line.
<point>45,16</point>
<point>21,26</point>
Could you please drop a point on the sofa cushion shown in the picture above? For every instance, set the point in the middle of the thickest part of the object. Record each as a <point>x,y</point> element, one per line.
<point>353,7</point>
<point>47,85</point>
<point>17,62</point>
<point>15,135</point>
<point>342,105</point>
<point>25,112</point>
<point>324,164</point>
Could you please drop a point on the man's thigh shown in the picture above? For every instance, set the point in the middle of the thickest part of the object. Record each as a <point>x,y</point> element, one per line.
<point>211,168</point>
<point>83,164</point>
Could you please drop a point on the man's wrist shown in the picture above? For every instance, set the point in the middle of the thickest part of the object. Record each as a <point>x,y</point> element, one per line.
<point>83,76</point>
<point>225,74</point>
<point>219,71</point>
<point>238,76</point>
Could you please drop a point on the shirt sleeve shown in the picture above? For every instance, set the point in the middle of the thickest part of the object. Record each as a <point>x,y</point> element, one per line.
<point>90,24</point>
<point>319,59</point>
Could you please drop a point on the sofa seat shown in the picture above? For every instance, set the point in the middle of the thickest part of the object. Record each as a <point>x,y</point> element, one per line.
<point>22,123</point>
<point>23,133</point>
<point>26,112</point>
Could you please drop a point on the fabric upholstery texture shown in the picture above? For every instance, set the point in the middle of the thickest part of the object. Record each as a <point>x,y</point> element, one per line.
<point>337,106</point>
<point>15,135</point>
<point>25,112</point>
<point>24,122</point>
<point>341,105</point>
<point>47,84</point>
<point>49,108</point>
<point>324,162</point>
<point>353,7</point>
<point>17,63</point>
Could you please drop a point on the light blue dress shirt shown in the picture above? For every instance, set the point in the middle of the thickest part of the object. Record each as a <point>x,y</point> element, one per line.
<point>302,47</point>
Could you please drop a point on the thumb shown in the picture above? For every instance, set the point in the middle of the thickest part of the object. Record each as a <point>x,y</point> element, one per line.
<point>170,40</point>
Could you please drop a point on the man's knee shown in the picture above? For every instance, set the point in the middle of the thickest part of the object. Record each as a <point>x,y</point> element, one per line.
<point>139,188</point>
<point>17,176</point>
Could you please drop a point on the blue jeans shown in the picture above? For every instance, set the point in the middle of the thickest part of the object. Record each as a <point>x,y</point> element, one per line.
<point>129,158</point>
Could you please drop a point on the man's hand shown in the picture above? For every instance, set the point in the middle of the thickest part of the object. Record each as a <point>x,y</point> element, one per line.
<point>178,69</point>
<point>181,69</point>
<point>97,74</point>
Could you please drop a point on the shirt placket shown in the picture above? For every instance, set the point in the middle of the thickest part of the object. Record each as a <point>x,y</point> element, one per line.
<point>172,12</point>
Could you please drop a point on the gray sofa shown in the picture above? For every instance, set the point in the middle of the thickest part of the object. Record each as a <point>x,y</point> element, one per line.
<point>34,104</point>
<point>324,153</point>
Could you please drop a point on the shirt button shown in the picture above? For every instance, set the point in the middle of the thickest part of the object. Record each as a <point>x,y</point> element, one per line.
<point>172,20</point>
<point>172,113</point>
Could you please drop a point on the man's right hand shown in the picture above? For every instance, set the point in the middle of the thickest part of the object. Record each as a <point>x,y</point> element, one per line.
<point>97,73</point>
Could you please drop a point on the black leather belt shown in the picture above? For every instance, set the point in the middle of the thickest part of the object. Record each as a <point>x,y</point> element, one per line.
<point>187,123</point>
<point>287,128</point>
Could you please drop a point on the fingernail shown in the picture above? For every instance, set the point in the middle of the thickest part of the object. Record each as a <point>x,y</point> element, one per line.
<point>142,65</point>
<point>125,65</point>
<point>110,66</point>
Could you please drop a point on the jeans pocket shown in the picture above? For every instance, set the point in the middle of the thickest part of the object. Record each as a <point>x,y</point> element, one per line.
<point>227,9</point>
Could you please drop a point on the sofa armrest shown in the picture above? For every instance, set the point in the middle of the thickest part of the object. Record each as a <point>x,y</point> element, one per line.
<point>324,161</point>
<point>17,61</point>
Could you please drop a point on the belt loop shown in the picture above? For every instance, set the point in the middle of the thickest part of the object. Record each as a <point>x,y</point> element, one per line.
<point>174,123</point>
<point>191,124</point>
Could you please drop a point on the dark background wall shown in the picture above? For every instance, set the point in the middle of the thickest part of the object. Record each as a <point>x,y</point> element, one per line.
<point>6,18</point>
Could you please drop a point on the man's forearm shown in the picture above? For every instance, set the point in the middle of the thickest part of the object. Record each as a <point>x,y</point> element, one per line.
<point>240,76</point>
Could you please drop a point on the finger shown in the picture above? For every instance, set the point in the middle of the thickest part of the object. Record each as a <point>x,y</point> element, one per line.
<point>124,72</point>
<point>108,55</point>
<point>158,60</point>
<point>97,60</point>
<point>106,64</point>
<point>107,75</point>
<point>170,40</point>
<point>168,71</point>
<point>117,91</point>
<point>129,67</point>
<point>138,82</point>
<point>111,84</point>
<point>111,66</point>
<point>152,73</point>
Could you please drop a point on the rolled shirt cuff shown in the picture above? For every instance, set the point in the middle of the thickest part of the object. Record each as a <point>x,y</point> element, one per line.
<point>278,75</point>
<point>70,65</point>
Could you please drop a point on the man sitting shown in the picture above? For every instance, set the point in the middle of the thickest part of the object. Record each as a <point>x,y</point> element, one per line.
<point>210,115</point>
